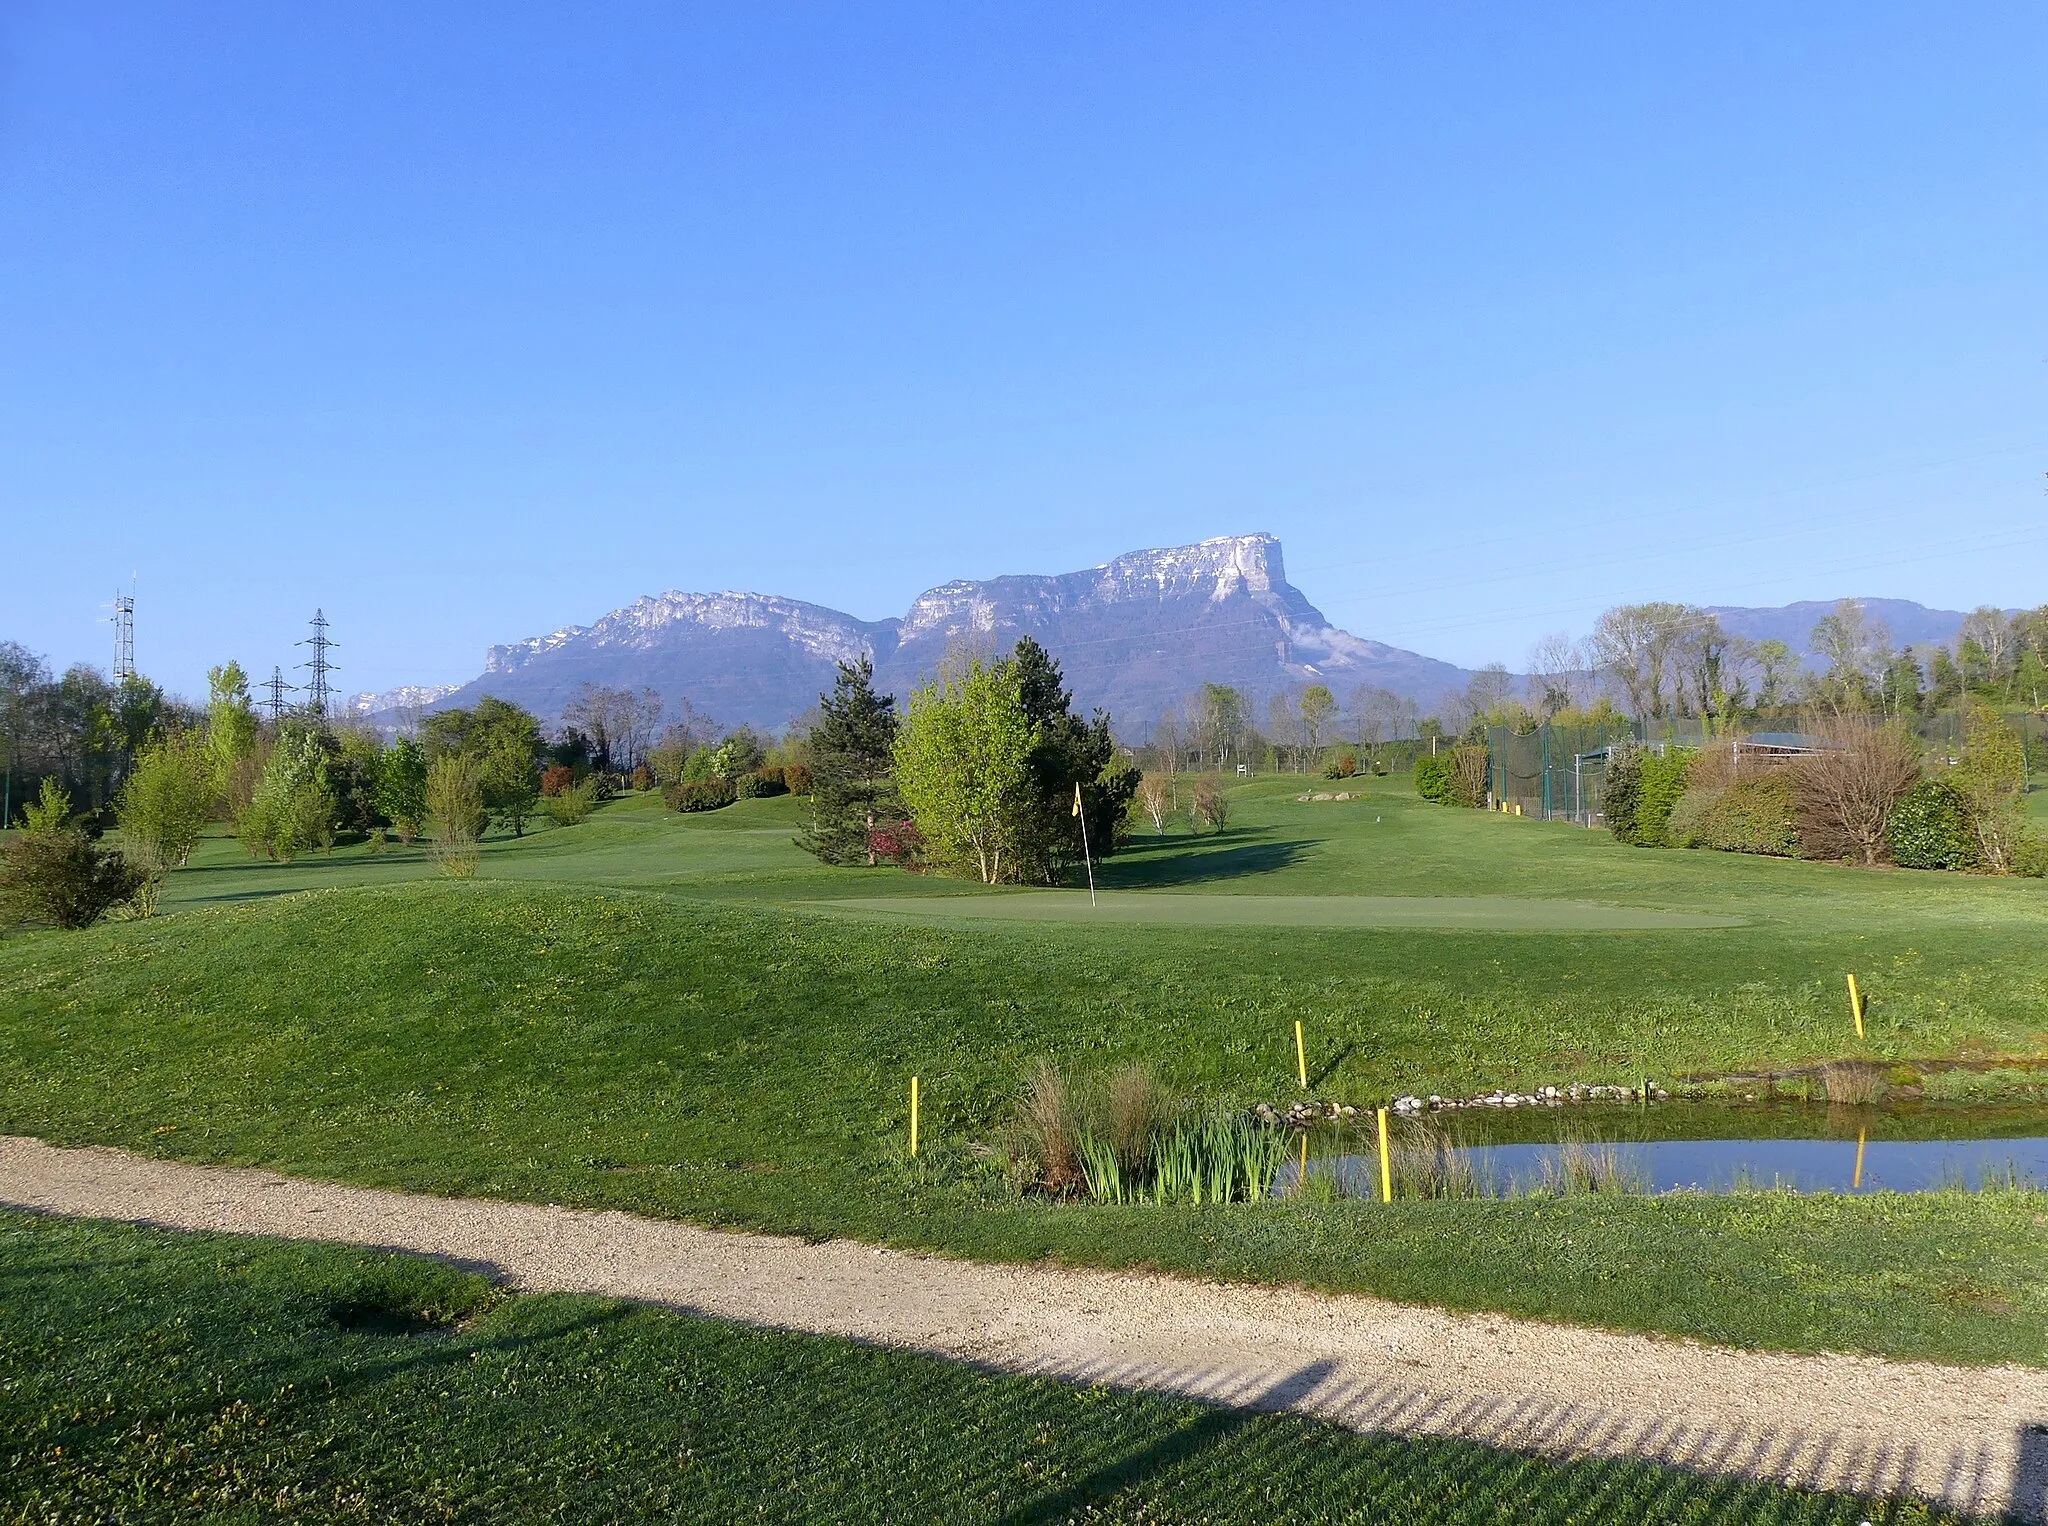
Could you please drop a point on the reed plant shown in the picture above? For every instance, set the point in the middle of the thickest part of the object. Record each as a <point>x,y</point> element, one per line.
<point>1586,1164</point>
<point>1430,1161</point>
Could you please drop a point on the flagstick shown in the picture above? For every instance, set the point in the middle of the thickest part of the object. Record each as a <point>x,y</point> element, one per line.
<point>1085,858</point>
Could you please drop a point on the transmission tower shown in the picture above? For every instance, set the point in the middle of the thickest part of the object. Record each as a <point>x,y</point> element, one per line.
<point>123,620</point>
<point>277,688</point>
<point>316,686</point>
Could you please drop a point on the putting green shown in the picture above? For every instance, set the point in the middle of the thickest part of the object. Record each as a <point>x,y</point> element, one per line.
<point>1459,913</point>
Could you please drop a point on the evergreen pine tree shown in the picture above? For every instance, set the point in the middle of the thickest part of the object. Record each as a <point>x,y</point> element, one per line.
<point>852,751</point>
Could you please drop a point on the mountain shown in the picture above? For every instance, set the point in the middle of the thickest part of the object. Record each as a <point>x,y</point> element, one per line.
<point>1910,624</point>
<point>1134,636</point>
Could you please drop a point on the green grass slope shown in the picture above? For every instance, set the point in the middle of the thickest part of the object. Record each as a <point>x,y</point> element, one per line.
<point>641,1013</point>
<point>146,1376</point>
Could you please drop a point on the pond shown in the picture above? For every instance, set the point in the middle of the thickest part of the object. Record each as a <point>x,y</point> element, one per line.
<point>1696,1147</point>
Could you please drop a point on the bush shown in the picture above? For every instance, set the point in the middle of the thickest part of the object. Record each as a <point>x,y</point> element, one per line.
<point>1687,827</point>
<point>1621,788</point>
<point>897,842</point>
<point>1436,777</point>
<point>643,778</point>
<point>797,777</point>
<point>1475,770</point>
<point>700,794</point>
<point>1930,828</point>
<point>759,784</point>
<point>571,805</point>
<point>1664,782</point>
<point>1754,815</point>
<point>556,780</point>
<point>1344,767</point>
<point>60,875</point>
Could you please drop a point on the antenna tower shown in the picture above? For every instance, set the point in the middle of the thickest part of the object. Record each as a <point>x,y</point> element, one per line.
<point>277,689</point>
<point>316,687</point>
<point>123,620</point>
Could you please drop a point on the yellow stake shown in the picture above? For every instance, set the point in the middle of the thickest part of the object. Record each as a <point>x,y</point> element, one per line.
<point>1856,1005</point>
<point>1386,1163</point>
<point>1861,1135</point>
<point>913,1115</point>
<point>1300,1055</point>
<point>1302,1184</point>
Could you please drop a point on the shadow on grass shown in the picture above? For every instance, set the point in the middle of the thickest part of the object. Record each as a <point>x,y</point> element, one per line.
<point>1193,866</point>
<point>1174,1448</point>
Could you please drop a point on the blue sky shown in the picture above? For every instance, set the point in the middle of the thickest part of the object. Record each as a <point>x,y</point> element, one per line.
<point>467,326</point>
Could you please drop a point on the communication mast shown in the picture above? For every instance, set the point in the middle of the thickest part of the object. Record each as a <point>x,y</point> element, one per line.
<point>316,687</point>
<point>277,688</point>
<point>123,620</point>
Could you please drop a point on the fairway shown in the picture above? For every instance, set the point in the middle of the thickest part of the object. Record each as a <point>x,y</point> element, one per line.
<point>1500,914</point>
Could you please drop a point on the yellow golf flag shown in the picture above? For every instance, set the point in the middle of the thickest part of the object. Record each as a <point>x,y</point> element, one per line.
<point>1077,799</point>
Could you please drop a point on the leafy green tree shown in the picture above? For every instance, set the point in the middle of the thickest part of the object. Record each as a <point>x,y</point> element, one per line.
<point>163,808</point>
<point>402,788</point>
<point>293,806</point>
<point>963,765</point>
<point>1318,704</point>
<point>455,800</point>
<point>1992,774</point>
<point>231,734</point>
<point>505,743</point>
<point>853,760</point>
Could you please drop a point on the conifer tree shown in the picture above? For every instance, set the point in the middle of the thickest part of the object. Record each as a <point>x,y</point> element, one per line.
<point>853,787</point>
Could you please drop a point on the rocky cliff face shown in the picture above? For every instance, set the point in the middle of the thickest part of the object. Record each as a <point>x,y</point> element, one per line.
<point>1134,636</point>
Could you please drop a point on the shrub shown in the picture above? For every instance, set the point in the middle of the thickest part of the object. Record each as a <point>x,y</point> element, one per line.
<point>1930,828</point>
<point>1622,788</point>
<point>1211,805</point>
<point>700,794</point>
<point>1687,827</point>
<point>1664,780</point>
<point>1847,790</point>
<point>643,777</point>
<point>1436,775</point>
<point>760,784</point>
<point>52,872</point>
<point>571,805</point>
<point>1754,815</point>
<point>797,777</point>
<point>165,804</point>
<point>555,780</point>
<point>1474,765</point>
<point>896,842</point>
<point>1341,768</point>
<point>293,806</point>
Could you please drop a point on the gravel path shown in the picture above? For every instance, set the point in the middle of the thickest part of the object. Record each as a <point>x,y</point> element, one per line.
<point>1962,1436</point>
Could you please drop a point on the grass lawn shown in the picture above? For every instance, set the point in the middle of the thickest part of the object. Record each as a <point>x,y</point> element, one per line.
<point>650,1012</point>
<point>152,1376</point>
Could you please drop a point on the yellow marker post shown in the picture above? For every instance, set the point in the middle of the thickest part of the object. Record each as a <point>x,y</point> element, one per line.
<point>1300,1055</point>
<point>1301,1182</point>
<point>1386,1163</point>
<point>1861,1136</point>
<point>913,1115</point>
<point>1856,1005</point>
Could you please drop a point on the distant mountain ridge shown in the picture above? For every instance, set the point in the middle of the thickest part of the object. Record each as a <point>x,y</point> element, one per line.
<point>1134,636</point>
<point>1910,624</point>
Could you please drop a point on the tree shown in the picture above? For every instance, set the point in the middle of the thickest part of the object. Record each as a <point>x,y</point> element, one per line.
<point>1634,645</point>
<point>1318,704</point>
<point>505,743</point>
<point>52,872</point>
<point>402,788</point>
<point>1776,666</point>
<point>853,761</point>
<point>1855,649</point>
<point>455,800</point>
<point>292,807</point>
<point>1211,804</point>
<point>1070,758</point>
<point>963,765</point>
<point>1992,774</point>
<point>164,806</point>
<point>1557,675</point>
<point>1155,797</point>
<point>1847,788</point>
<point>1219,724</point>
<point>231,733</point>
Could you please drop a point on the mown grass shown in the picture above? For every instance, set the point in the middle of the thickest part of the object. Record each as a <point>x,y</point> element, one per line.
<point>637,1012</point>
<point>149,1376</point>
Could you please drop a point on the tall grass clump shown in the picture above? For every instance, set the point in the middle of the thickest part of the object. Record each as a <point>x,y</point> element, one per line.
<point>1586,1164</point>
<point>1221,1158</point>
<point>1429,1161</point>
<point>1128,1140</point>
<point>1852,1081</point>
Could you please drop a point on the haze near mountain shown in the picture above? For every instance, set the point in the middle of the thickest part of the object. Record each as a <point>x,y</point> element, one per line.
<point>1134,636</point>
